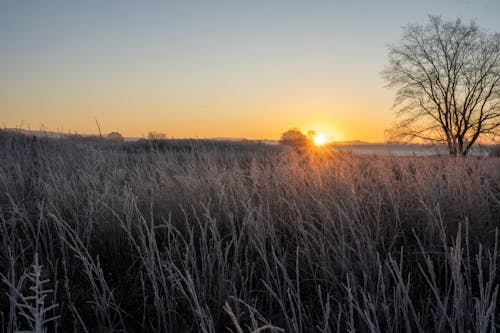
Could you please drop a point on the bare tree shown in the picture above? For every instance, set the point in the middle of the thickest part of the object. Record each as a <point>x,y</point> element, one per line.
<point>447,76</point>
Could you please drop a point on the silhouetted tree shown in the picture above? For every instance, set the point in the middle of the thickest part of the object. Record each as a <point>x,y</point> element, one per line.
<point>447,76</point>
<point>294,137</point>
<point>115,137</point>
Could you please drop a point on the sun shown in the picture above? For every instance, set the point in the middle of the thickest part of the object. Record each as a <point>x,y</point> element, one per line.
<point>319,139</point>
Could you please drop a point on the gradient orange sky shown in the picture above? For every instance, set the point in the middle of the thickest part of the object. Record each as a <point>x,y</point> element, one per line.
<point>208,69</point>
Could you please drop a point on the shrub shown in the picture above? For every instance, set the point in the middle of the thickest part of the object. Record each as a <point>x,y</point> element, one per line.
<point>115,137</point>
<point>294,138</point>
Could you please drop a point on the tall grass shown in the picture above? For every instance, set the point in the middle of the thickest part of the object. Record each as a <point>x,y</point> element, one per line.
<point>197,237</point>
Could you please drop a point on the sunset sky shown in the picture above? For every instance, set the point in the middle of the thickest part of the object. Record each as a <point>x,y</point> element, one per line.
<point>249,69</point>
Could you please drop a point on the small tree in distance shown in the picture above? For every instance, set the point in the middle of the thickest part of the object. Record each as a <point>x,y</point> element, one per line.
<point>115,137</point>
<point>294,137</point>
<point>447,76</point>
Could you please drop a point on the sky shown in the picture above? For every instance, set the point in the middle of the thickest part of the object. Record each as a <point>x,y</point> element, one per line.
<point>200,69</point>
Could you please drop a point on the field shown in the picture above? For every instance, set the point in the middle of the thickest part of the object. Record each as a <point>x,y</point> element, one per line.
<point>192,236</point>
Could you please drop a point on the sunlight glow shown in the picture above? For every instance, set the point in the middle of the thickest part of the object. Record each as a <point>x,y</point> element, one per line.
<point>320,139</point>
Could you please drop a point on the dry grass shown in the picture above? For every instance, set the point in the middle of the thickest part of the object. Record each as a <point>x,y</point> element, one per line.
<point>244,238</point>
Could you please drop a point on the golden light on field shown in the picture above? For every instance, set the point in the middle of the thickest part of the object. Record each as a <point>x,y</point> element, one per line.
<point>320,139</point>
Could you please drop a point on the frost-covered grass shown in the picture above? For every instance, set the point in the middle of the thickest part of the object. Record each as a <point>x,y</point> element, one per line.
<point>197,237</point>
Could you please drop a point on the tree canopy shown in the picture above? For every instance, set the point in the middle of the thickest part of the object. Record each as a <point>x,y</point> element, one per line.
<point>294,137</point>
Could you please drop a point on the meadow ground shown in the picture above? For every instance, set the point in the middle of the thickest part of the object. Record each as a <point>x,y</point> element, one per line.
<point>192,236</point>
